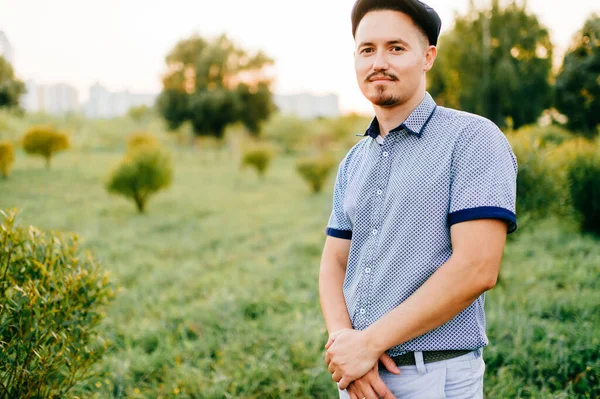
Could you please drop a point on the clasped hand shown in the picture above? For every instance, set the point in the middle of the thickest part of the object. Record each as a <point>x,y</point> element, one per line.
<point>353,364</point>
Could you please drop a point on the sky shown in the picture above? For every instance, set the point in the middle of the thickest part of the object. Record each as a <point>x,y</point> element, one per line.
<point>122,44</point>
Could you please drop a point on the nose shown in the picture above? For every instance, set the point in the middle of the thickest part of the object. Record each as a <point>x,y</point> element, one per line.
<point>380,62</point>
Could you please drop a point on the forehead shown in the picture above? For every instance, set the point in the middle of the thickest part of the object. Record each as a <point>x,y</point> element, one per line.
<point>386,25</point>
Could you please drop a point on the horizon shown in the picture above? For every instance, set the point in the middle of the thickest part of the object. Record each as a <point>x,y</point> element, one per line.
<point>59,46</point>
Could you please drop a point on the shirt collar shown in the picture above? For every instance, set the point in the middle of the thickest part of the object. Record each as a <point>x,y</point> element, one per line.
<point>415,123</point>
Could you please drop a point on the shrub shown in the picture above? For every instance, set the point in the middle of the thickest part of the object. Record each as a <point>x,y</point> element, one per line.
<point>141,139</point>
<point>7,157</point>
<point>547,136</point>
<point>44,141</point>
<point>539,192</point>
<point>287,131</point>
<point>52,298</point>
<point>314,170</point>
<point>258,156</point>
<point>583,176</point>
<point>141,174</point>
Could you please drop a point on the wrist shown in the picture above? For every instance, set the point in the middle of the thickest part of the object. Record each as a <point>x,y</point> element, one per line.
<point>374,341</point>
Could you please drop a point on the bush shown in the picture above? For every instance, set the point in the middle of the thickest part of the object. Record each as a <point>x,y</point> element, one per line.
<point>141,174</point>
<point>539,192</point>
<point>314,170</point>
<point>583,176</point>
<point>547,136</point>
<point>258,156</point>
<point>44,141</point>
<point>51,300</point>
<point>7,158</point>
<point>287,131</point>
<point>141,139</point>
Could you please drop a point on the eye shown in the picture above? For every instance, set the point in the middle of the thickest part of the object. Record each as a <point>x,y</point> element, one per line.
<point>366,50</point>
<point>397,49</point>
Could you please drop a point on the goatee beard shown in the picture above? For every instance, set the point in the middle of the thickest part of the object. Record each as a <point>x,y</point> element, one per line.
<point>384,100</point>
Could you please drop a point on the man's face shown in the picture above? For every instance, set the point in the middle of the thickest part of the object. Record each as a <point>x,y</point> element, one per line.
<point>391,57</point>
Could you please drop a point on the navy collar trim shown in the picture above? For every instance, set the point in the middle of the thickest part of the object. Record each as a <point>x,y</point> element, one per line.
<point>414,124</point>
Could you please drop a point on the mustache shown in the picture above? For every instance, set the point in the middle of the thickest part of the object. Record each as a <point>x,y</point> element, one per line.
<point>376,75</point>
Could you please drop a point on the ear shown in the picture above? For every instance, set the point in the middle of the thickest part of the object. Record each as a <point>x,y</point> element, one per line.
<point>430,56</point>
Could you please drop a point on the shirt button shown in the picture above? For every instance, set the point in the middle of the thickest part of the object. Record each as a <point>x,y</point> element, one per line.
<point>385,154</point>
<point>368,270</point>
<point>379,192</point>
<point>375,232</point>
<point>362,311</point>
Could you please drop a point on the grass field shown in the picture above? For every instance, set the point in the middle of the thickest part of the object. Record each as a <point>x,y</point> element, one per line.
<point>218,285</point>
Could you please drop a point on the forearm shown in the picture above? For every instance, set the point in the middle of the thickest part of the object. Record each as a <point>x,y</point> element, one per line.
<point>333,304</point>
<point>451,289</point>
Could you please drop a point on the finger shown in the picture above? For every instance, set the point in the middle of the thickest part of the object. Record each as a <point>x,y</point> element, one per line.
<point>368,392</point>
<point>379,387</point>
<point>389,364</point>
<point>327,358</point>
<point>354,391</point>
<point>337,377</point>
<point>329,343</point>
<point>343,382</point>
<point>331,368</point>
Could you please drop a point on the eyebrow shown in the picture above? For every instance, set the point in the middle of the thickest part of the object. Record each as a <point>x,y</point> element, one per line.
<point>389,43</point>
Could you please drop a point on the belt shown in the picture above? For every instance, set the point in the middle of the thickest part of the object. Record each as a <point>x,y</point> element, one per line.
<point>408,359</point>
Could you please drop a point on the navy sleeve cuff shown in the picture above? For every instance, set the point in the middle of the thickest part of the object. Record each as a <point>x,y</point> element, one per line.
<point>345,234</point>
<point>484,212</point>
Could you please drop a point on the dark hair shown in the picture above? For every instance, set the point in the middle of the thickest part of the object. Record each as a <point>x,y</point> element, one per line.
<point>424,17</point>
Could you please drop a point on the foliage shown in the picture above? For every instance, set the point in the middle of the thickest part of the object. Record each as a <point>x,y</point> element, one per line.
<point>194,319</point>
<point>495,62</point>
<point>258,156</point>
<point>546,136</point>
<point>44,141</point>
<point>11,88</point>
<point>7,157</point>
<point>139,113</point>
<point>583,177</point>
<point>287,131</point>
<point>141,139</point>
<point>539,192</point>
<point>215,84</point>
<point>52,299</point>
<point>144,171</point>
<point>578,83</point>
<point>314,170</point>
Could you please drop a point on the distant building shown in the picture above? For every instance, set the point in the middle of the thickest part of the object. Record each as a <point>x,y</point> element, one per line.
<point>6,49</point>
<point>54,99</point>
<point>105,104</point>
<point>308,105</point>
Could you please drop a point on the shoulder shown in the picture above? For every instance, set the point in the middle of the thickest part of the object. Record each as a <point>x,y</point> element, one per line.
<point>355,153</point>
<point>472,128</point>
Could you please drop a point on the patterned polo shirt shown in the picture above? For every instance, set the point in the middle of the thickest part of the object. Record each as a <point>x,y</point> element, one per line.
<point>396,202</point>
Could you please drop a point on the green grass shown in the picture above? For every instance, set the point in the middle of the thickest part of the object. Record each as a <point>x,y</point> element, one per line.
<point>218,285</point>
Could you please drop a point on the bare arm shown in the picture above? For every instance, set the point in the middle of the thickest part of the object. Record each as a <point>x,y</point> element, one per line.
<point>331,280</point>
<point>471,270</point>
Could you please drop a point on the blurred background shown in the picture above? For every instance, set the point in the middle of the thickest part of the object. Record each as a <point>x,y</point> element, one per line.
<point>192,147</point>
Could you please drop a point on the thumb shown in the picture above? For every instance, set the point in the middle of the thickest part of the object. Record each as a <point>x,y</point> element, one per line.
<point>389,364</point>
<point>329,343</point>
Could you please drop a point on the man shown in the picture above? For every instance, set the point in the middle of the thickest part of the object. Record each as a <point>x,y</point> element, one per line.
<point>421,209</point>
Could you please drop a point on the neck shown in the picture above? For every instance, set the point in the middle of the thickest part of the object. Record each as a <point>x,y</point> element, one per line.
<point>391,117</point>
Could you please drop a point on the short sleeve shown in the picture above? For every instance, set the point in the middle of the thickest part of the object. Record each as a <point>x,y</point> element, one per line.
<point>339,224</point>
<point>484,176</point>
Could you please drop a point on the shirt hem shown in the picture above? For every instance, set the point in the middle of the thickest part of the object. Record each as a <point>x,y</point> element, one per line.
<point>484,212</point>
<point>344,234</point>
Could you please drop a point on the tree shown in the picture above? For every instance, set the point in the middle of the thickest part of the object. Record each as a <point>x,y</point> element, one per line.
<point>144,171</point>
<point>44,141</point>
<point>214,84</point>
<point>578,83</point>
<point>496,63</point>
<point>11,88</point>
